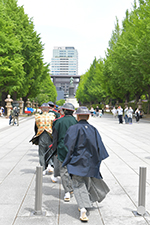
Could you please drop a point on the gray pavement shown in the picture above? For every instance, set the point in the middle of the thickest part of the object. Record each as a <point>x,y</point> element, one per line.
<point>129,149</point>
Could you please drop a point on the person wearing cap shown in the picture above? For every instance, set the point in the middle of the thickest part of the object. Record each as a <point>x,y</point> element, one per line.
<point>85,154</point>
<point>43,134</point>
<point>52,109</point>
<point>59,129</point>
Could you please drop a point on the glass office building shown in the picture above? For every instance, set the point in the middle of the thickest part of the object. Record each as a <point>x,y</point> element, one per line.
<point>64,61</point>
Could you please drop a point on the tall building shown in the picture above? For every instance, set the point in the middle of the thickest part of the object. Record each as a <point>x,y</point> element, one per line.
<point>64,65</point>
<point>64,61</point>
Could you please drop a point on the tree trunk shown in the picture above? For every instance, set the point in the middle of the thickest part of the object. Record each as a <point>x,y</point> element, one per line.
<point>127,97</point>
<point>4,96</point>
<point>137,97</point>
<point>14,96</point>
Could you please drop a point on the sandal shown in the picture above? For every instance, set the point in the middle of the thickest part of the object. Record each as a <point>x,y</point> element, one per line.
<point>67,197</point>
<point>83,216</point>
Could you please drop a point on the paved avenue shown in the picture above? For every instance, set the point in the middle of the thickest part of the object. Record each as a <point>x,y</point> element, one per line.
<point>129,149</point>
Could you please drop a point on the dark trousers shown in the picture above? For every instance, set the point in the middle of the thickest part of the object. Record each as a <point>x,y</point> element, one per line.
<point>120,118</point>
<point>88,189</point>
<point>137,117</point>
<point>44,142</point>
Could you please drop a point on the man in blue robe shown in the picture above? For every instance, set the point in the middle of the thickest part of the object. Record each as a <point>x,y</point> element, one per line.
<point>85,154</point>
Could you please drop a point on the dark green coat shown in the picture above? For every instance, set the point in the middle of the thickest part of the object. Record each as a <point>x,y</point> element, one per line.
<point>59,131</point>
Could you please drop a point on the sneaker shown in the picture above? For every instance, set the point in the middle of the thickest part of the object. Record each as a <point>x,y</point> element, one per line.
<point>67,197</point>
<point>54,179</point>
<point>50,169</point>
<point>83,216</point>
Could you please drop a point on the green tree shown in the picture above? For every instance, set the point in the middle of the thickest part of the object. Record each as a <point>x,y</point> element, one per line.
<point>90,90</point>
<point>81,95</point>
<point>32,50</point>
<point>60,102</point>
<point>21,54</point>
<point>47,91</point>
<point>12,75</point>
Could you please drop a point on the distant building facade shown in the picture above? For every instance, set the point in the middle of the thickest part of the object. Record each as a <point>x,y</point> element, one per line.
<point>64,65</point>
<point>64,61</point>
<point>60,93</point>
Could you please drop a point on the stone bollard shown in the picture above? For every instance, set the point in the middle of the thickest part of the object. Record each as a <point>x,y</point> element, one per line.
<point>142,191</point>
<point>38,190</point>
<point>8,101</point>
<point>38,193</point>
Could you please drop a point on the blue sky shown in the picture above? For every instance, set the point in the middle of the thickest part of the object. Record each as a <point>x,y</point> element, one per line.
<point>85,24</point>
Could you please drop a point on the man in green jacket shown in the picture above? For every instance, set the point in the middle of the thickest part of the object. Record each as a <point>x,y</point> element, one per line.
<point>59,131</point>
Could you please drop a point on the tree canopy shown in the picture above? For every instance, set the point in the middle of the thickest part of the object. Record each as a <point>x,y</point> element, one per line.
<point>124,73</point>
<point>22,67</point>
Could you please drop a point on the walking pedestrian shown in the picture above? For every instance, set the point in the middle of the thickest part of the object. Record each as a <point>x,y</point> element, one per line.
<point>85,154</point>
<point>43,135</point>
<point>130,115</point>
<point>54,177</point>
<point>120,114</point>
<point>126,115</point>
<point>2,111</point>
<point>15,115</point>
<point>137,115</point>
<point>92,111</point>
<point>59,131</point>
<point>114,112</point>
<point>100,113</point>
<point>10,116</point>
<point>97,111</point>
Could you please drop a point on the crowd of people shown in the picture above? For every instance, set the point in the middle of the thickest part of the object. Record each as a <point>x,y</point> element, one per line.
<point>13,116</point>
<point>126,114</point>
<point>71,148</point>
<point>97,111</point>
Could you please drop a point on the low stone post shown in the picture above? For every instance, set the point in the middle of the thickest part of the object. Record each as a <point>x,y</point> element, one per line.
<point>140,104</point>
<point>117,104</point>
<point>21,106</point>
<point>142,191</point>
<point>33,104</point>
<point>126,104</point>
<point>38,190</point>
<point>28,103</point>
<point>8,101</point>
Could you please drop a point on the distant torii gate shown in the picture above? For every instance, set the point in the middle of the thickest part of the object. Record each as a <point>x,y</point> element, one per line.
<point>63,81</point>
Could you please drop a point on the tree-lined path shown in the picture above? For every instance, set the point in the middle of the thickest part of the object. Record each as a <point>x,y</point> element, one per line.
<point>128,147</point>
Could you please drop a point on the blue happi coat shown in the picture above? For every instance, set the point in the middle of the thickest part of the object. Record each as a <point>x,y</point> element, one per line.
<point>85,150</point>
